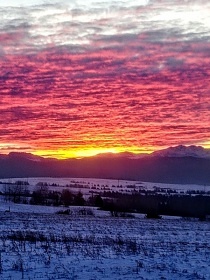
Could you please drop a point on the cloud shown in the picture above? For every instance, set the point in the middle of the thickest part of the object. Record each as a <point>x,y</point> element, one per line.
<point>73,76</point>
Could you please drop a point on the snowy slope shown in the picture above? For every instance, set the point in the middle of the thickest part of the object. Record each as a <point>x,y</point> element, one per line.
<point>184,151</point>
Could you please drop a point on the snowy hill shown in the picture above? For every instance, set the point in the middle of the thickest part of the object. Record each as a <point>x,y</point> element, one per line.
<point>183,151</point>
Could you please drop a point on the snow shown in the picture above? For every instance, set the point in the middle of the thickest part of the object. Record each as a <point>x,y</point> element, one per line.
<point>90,185</point>
<point>184,151</point>
<point>37,243</point>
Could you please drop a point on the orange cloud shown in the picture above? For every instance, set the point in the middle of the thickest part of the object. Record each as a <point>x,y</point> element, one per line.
<point>137,86</point>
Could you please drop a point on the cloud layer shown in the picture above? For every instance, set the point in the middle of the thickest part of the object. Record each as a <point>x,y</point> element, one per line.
<point>105,76</point>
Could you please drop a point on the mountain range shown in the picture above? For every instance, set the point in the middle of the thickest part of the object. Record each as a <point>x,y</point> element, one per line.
<point>180,165</point>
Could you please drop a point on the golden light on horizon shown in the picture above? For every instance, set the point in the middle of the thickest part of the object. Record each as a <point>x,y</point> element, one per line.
<point>76,153</point>
<point>88,152</point>
<point>206,145</point>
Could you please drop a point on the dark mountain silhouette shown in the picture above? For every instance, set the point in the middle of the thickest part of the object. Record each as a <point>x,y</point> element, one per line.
<point>182,169</point>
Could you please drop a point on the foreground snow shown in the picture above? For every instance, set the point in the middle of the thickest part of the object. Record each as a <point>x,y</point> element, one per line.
<point>37,243</point>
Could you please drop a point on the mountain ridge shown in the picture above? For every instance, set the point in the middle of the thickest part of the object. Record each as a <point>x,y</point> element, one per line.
<point>184,151</point>
<point>151,168</point>
<point>174,151</point>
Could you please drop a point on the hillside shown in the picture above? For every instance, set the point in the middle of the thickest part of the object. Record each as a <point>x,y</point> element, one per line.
<point>183,169</point>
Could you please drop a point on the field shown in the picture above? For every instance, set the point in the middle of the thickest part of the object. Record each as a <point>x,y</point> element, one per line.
<point>37,243</point>
<point>88,186</point>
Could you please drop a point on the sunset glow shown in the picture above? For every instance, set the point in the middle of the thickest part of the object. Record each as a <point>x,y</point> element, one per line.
<point>105,76</point>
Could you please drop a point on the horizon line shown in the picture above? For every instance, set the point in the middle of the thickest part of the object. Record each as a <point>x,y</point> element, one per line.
<point>56,155</point>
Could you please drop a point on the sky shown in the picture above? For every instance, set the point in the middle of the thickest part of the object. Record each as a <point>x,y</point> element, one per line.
<point>78,78</point>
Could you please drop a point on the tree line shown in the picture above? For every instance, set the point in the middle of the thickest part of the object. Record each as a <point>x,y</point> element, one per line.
<point>150,203</point>
<point>18,192</point>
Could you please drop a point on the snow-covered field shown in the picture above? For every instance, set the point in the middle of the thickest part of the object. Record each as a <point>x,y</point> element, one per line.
<point>91,185</point>
<point>37,243</point>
